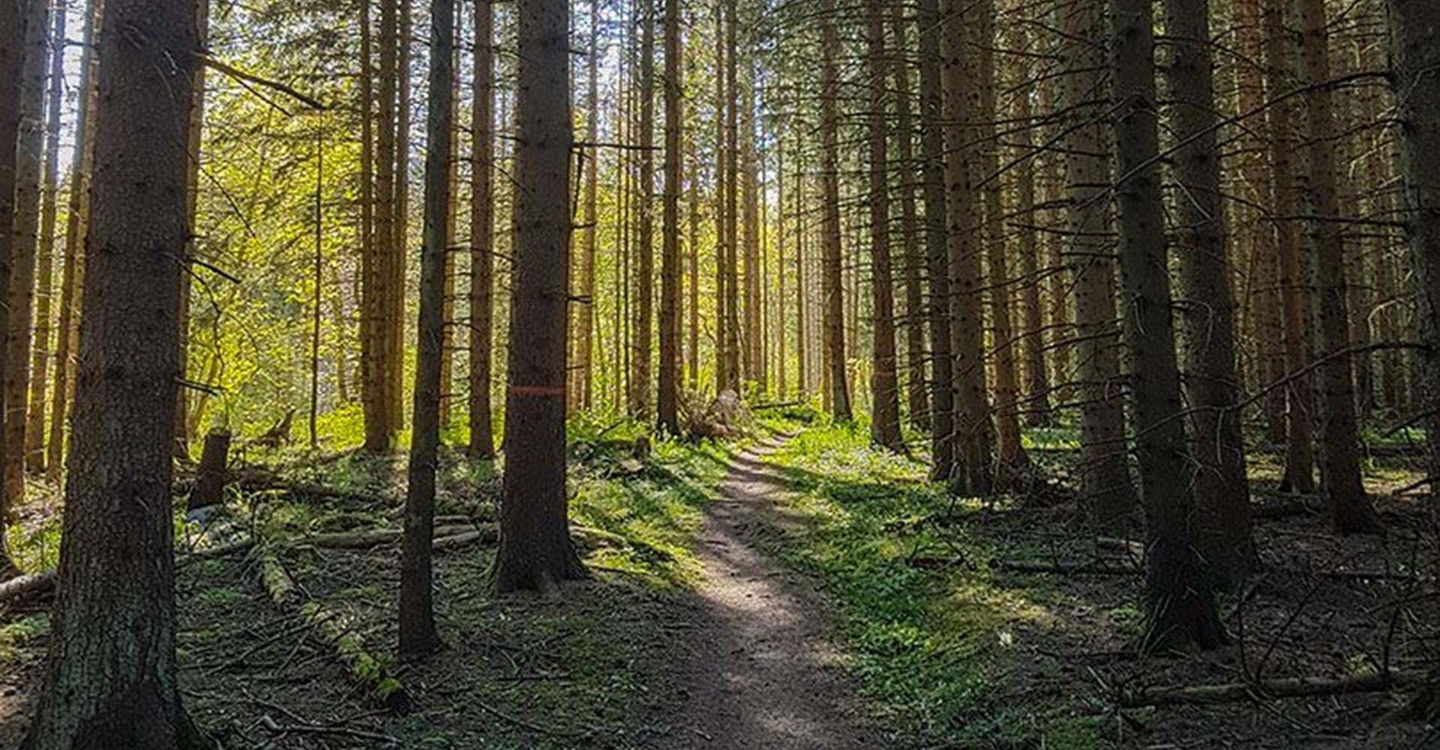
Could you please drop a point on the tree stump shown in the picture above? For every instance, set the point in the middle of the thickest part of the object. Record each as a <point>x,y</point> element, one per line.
<point>213,472</point>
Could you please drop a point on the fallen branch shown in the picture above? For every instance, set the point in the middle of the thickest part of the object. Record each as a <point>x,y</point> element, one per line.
<point>1286,687</point>
<point>328,625</point>
<point>377,537</point>
<point>1063,568</point>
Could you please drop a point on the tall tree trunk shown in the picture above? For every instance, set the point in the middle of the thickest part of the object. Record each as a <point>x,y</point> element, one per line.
<point>45,276</point>
<point>379,412</point>
<point>1010,456</point>
<point>753,335</point>
<point>731,290</point>
<point>12,58</point>
<point>482,234</point>
<point>111,679</point>
<point>668,400</point>
<point>195,131</point>
<point>973,465</point>
<point>417,616</point>
<point>722,191</point>
<point>1179,603</point>
<point>833,289</point>
<point>1281,81</point>
<point>1207,317</point>
<point>1036,399</point>
<point>692,352</point>
<point>915,386</point>
<point>585,347</point>
<point>535,549</point>
<point>643,320</point>
<point>932,146</point>
<point>1335,391</point>
<point>76,223</point>
<point>1257,176</point>
<point>400,250</point>
<point>1106,489</point>
<point>452,231</point>
<point>1415,57</point>
<point>884,385</point>
<point>26,230</point>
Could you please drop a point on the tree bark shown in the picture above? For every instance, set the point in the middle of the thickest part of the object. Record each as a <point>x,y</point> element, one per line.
<point>45,252</point>
<point>536,552</point>
<point>1207,312</point>
<point>26,232</point>
<point>1179,602</point>
<point>418,636</point>
<point>973,472</point>
<point>111,680</point>
<point>1294,294</point>
<point>642,322</point>
<point>379,411</point>
<point>482,236</point>
<point>1036,401</point>
<point>1106,490</point>
<point>916,394</point>
<point>932,146</point>
<point>667,408</point>
<point>1415,57</point>
<point>1335,391</point>
<point>12,49</point>
<point>832,287</point>
<point>76,223</point>
<point>884,385</point>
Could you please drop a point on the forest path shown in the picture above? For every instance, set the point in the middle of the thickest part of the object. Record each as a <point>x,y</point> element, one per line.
<point>762,671</point>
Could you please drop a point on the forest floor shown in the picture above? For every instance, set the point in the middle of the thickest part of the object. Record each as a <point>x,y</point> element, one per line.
<point>809,591</point>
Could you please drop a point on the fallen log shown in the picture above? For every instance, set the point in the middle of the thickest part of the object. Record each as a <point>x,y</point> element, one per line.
<point>377,537</point>
<point>43,583</point>
<point>1285,687</point>
<point>31,585</point>
<point>329,625</point>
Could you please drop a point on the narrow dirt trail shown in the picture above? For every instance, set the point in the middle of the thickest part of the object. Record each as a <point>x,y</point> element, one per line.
<point>762,672</point>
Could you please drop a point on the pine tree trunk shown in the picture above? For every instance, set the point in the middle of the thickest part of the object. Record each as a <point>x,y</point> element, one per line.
<point>585,348</point>
<point>643,321</point>
<point>1256,174</point>
<point>1415,57</point>
<point>884,385</point>
<point>832,286</point>
<point>194,136</point>
<point>535,549</point>
<point>26,231</point>
<point>1036,401</point>
<point>400,250</point>
<point>973,472</point>
<point>1294,293</point>
<point>1207,313</point>
<point>111,680</point>
<point>1335,391</point>
<point>12,35</point>
<point>482,235</point>
<point>1106,491</point>
<point>1010,456</point>
<point>752,356</point>
<point>1179,603</point>
<point>417,618</point>
<point>45,275</point>
<point>667,407</point>
<point>722,191</point>
<point>379,412</point>
<point>932,146</point>
<point>916,394</point>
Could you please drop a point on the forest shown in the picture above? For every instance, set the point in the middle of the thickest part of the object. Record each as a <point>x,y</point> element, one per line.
<point>719,374</point>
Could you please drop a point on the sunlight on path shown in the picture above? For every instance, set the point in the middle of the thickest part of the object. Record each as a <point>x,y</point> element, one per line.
<point>762,673</point>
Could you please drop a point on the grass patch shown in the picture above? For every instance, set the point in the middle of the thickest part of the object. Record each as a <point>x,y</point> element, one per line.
<point>944,656</point>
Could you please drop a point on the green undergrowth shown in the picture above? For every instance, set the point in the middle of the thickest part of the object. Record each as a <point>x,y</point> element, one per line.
<point>945,654</point>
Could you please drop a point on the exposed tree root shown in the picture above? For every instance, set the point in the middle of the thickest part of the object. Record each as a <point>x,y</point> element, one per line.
<point>330,626</point>
<point>1286,687</point>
